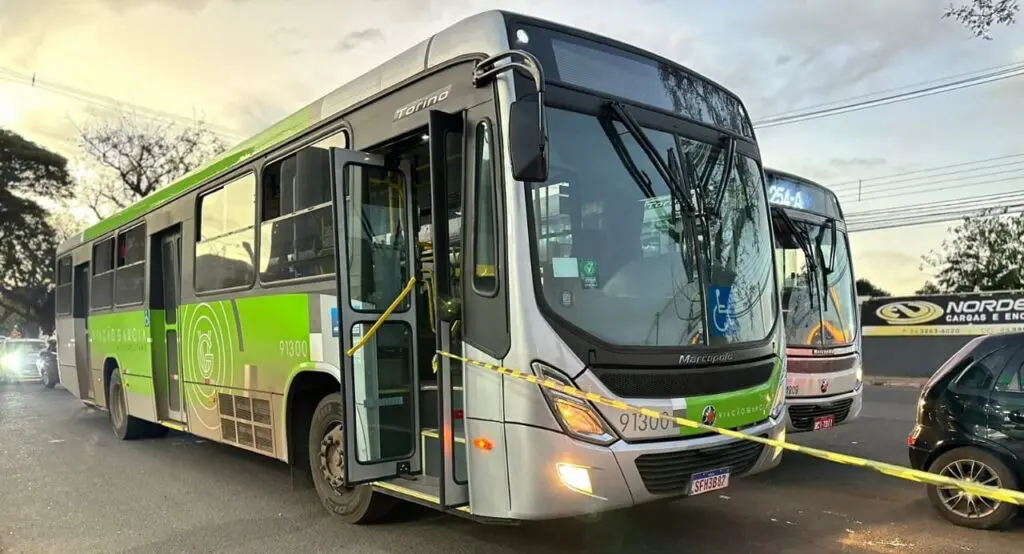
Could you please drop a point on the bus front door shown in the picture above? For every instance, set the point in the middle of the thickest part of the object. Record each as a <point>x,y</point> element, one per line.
<point>446,170</point>
<point>373,221</point>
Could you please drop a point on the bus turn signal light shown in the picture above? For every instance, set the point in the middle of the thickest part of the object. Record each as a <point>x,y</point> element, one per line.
<point>483,444</point>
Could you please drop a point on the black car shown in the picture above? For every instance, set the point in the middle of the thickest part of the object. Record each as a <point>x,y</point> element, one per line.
<point>970,425</point>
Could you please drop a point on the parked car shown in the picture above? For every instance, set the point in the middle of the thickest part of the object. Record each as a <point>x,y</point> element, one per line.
<point>46,364</point>
<point>18,359</point>
<point>970,425</point>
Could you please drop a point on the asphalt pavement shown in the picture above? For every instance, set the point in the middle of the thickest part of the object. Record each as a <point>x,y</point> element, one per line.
<point>67,485</point>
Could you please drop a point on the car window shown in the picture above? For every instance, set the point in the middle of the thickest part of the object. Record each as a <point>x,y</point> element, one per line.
<point>1012,379</point>
<point>982,373</point>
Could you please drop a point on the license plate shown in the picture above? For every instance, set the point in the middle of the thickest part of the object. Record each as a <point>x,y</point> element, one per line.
<point>822,423</point>
<point>707,481</point>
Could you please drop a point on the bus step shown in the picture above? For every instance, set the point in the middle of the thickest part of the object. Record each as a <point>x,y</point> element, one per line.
<point>431,446</point>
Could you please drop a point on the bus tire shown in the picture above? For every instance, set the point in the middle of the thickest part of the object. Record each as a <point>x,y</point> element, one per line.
<point>357,505</point>
<point>125,426</point>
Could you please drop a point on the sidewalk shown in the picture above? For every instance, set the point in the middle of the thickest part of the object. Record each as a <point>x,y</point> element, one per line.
<point>909,382</point>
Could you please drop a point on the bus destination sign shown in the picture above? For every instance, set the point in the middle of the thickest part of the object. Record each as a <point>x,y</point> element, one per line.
<point>788,192</point>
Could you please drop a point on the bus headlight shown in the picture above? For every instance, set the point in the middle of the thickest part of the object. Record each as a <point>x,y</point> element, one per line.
<point>779,404</point>
<point>11,361</point>
<point>577,417</point>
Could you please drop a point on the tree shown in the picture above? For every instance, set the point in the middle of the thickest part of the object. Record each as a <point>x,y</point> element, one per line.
<point>928,288</point>
<point>134,157</point>
<point>984,253</point>
<point>980,15</point>
<point>29,174</point>
<point>867,288</point>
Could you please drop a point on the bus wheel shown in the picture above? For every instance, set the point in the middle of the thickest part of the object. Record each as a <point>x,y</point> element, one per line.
<point>48,380</point>
<point>125,426</point>
<point>326,443</point>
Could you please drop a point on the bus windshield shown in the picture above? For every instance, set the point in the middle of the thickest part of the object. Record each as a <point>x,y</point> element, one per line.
<point>819,302</point>
<point>627,263</point>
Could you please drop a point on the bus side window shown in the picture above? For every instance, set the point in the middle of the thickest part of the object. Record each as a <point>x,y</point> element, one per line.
<point>225,249</point>
<point>131,266</point>
<point>485,235</point>
<point>63,291</point>
<point>296,223</point>
<point>485,305</point>
<point>102,288</point>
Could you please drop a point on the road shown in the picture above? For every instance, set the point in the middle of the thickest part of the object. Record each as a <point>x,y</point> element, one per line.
<point>67,485</point>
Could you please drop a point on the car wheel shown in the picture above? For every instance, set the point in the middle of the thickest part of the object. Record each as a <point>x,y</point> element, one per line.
<point>960,508</point>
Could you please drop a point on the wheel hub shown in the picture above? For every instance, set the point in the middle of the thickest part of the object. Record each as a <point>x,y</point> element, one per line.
<point>332,459</point>
<point>965,504</point>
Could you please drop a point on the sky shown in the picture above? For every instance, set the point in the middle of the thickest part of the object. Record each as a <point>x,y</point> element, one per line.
<point>243,64</point>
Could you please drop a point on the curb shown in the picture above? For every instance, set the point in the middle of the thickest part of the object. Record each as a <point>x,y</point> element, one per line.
<point>903,382</point>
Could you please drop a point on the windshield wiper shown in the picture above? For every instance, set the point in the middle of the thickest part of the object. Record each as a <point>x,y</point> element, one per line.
<point>730,154</point>
<point>812,260</point>
<point>636,131</point>
<point>643,181</point>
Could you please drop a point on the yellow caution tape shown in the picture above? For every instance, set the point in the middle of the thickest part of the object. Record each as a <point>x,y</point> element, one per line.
<point>900,472</point>
<point>905,473</point>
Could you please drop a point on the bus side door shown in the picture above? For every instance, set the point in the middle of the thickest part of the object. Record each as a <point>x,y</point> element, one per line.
<point>374,226</point>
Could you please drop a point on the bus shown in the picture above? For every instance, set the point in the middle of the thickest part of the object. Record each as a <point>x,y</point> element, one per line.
<point>824,384</point>
<point>504,167</point>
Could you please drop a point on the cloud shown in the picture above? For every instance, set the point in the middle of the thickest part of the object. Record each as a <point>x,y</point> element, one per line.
<point>355,39</point>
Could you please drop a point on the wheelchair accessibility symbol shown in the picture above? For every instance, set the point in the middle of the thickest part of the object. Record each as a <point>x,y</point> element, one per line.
<point>723,313</point>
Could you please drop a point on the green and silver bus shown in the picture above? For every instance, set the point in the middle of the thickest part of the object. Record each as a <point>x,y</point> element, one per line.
<point>603,221</point>
<point>819,303</point>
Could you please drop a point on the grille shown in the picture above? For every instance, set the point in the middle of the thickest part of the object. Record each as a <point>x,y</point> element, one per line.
<point>670,472</point>
<point>821,365</point>
<point>227,429</point>
<point>246,421</point>
<point>677,382</point>
<point>227,405</point>
<point>803,415</point>
<point>243,408</point>
<point>245,434</point>
<point>261,411</point>
<point>264,439</point>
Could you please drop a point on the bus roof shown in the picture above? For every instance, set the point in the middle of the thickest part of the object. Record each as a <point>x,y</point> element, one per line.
<point>484,33</point>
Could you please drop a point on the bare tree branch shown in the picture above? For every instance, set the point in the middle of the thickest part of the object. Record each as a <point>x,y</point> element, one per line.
<point>135,157</point>
<point>981,15</point>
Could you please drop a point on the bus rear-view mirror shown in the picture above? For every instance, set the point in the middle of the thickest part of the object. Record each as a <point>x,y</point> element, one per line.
<point>528,140</point>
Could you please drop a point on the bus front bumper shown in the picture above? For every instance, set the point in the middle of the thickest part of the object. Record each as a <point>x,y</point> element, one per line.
<point>580,478</point>
<point>810,413</point>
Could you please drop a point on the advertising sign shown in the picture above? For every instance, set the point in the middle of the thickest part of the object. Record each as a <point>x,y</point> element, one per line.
<point>945,314</point>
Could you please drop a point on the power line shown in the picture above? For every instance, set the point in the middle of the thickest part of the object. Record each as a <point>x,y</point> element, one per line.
<point>911,221</point>
<point>933,204</point>
<point>873,195</point>
<point>834,186</point>
<point>103,101</point>
<point>895,98</point>
<point>894,89</point>
<point>935,212</point>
